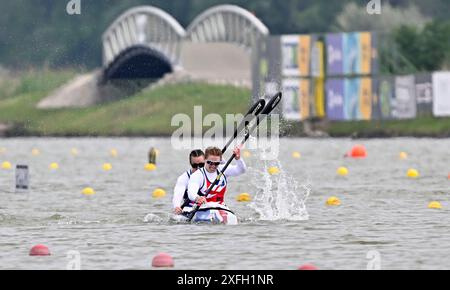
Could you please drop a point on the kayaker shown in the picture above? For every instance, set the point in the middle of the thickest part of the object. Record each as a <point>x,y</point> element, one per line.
<point>180,196</point>
<point>202,179</point>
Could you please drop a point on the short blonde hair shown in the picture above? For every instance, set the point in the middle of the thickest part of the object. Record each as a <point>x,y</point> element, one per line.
<point>213,151</point>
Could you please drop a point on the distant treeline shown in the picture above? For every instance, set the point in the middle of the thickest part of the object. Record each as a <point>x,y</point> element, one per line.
<point>41,33</point>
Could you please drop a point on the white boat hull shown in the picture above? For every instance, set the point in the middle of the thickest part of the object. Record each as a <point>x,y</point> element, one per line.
<point>211,212</point>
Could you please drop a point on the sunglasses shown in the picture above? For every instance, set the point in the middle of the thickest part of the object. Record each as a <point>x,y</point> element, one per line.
<point>213,163</point>
<point>198,165</point>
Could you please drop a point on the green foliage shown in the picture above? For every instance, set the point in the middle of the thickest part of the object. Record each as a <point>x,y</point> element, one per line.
<point>41,33</point>
<point>427,49</point>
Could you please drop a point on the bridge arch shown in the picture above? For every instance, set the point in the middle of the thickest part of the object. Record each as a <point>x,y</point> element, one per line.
<point>227,23</point>
<point>142,31</point>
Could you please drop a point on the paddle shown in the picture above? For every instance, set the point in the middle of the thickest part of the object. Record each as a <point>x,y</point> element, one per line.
<point>253,112</point>
<point>265,112</point>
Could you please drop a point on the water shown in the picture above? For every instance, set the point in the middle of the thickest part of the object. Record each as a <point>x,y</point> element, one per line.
<point>381,209</point>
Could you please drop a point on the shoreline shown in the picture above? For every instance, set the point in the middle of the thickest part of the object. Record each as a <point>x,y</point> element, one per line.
<point>149,113</point>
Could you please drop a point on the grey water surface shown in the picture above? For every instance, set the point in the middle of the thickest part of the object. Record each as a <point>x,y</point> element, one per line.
<point>123,227</point>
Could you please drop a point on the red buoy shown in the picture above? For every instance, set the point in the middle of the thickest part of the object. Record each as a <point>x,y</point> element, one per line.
<point>40,250</point>
<point>162,260</point>
<point>308,267</point>
<point>358,151</point>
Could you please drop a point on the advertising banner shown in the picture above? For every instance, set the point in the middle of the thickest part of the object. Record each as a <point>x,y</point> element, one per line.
<point>335,61</point>
<point>296,96</point>
<point>351,98</point>
<point>374,54</point>
<point>296,55</point>
<point>319,98</point>
<point>441,92</point>
<point>404,104</point>
<point>386,96</point>
<point>317,60</point>
<point>351,53</point>
<point>365,99</point>
<point>365,52</point>
<point>376,103</point>
<point>335,99</point>
<point>424,95</point>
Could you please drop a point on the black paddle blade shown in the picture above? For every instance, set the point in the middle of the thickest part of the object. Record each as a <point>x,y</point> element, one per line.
<point>258,107</point>
<point>252,112</point>
<point>271,105</point>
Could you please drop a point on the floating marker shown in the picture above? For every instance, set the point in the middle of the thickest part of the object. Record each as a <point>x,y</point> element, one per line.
<point>342,171</point>
<point>403,155</point>
<point>296,155</point>
<point>88,191</point>
<point>412,173</point>
<point>243,197</point>
<point>333,201</point>
<point>113,152</point>
<point>107,166</point>
<point>273,170</point>
<point>22,180</point>
<point>308,267</point>
<point>74,151</point>
<point>150,167</point>
<point>163,260</point>
<point>246,154</point>
<point>152,156</point>
<point>358,151</point>
<point>158,193</point>
<point>434,205</point>
<point>6,165</point>
<point>39,250</point>
<point>54,166</point>
<point>35,152</point>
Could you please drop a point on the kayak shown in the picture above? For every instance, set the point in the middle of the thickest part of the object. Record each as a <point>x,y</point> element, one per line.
<point>211,212</point>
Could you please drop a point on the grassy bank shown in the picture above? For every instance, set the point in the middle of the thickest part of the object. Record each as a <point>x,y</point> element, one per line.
<point>150,112</point>
<point>147,113</point>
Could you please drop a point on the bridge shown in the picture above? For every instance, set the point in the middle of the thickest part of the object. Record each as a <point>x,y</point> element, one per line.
<point>147,43</point>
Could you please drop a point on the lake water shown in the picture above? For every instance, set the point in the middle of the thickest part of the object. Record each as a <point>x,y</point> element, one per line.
<point>383,220</point>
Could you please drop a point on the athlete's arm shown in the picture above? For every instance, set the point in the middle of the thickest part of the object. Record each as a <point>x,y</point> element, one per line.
<point>235,170</point>
<point>178,191</point>
<point>194,184</point>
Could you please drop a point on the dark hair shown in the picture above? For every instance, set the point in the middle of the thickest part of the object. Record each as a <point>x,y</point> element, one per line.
<point>195,153</point>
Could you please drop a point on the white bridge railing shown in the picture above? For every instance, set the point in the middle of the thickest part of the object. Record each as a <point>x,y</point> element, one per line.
<point>144,26</point>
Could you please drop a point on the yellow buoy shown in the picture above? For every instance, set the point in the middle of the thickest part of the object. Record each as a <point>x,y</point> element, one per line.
<point>412,173</point>
<point>157,152</point>
<point>150,167</point>
<point>243,197</point>
<point>88,191</point>
<point>333,201</point>
<point>74,151</point>
<point>434,205</point>
<point>273,170</point>
<point>54,166</point>
<point>35,152</point>
<point>246,154</point>
<point>296,155</point>
<point>6,165</point>
<point>107,166</point>
<point>342,171</point>
<point>113,152</point>
<point>158,193</point>
<point>403,155</point>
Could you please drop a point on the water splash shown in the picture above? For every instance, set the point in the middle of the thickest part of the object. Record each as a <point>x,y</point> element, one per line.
<point>152,218</point>
<point>279,197</point>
